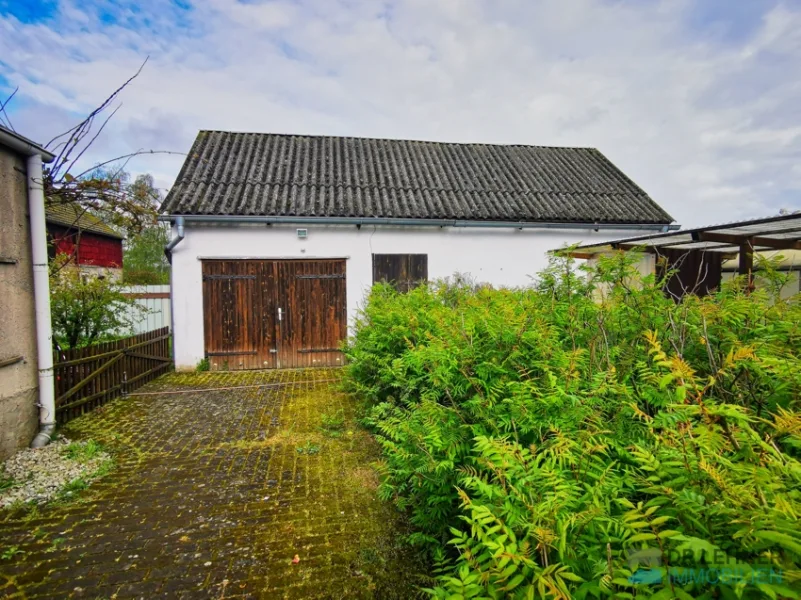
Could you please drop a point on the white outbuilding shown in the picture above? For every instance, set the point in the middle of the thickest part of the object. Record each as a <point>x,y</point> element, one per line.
<point>277,238</point>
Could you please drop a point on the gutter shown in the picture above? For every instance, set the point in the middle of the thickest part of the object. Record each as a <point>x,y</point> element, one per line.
<point>359,221</point>
<point>41,283</point>
<point>23,145</point>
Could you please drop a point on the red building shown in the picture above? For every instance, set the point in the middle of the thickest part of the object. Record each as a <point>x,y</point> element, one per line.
<point>93,245</point>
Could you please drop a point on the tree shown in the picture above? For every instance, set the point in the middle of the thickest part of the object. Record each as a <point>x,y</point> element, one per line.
<point>103,189</point>
<point>144,262</point>
<point>86,309</point>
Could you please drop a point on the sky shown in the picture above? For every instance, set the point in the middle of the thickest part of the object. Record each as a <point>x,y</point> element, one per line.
<point>698,101</point>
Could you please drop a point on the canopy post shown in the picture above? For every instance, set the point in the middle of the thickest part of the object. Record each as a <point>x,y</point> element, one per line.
<point>746,266</point>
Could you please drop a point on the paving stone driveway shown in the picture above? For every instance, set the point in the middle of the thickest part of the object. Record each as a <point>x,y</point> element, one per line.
<point>215,491</point>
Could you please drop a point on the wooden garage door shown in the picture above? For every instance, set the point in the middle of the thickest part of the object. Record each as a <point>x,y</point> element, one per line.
<point>273,313</point>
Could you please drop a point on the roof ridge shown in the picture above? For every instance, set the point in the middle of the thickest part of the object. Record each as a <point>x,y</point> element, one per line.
<point>391,139</point>
<point>410,188</point>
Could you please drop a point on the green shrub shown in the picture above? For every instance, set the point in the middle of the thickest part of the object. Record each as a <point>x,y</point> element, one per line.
<point>548,444</point>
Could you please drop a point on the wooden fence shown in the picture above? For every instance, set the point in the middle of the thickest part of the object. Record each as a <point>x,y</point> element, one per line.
<point>86,378</point>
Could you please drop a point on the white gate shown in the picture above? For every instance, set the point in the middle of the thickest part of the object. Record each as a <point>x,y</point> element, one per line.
<point>156,300</point>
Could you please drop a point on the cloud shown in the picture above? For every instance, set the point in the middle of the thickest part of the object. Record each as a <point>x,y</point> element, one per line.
<point>702,109</point>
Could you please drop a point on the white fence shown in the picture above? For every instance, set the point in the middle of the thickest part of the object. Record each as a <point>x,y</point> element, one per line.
<point>156,300</point>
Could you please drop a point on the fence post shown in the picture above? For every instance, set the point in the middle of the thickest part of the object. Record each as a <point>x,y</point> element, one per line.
<point>125,384</point>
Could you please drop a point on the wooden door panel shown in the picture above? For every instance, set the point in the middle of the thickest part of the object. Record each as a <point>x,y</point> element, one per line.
<point>269,339</point>
<point>233,313</point>
<point>312,297</point>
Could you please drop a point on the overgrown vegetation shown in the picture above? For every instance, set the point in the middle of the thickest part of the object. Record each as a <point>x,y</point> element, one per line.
<point>6,481</point>
<point>333,424</point>
<point>86,309</point>
<point>550,445</point>
<point>83,452</point>
<point>144,262</point>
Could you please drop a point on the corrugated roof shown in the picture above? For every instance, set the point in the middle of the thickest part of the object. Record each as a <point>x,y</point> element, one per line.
<point>319,176</point>
<point>74,217</point>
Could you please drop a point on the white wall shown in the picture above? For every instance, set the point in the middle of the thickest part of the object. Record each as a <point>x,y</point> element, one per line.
<point>502,257</point>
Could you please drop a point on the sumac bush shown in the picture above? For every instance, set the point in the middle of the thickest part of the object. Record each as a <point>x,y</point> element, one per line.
<point>589,437</point>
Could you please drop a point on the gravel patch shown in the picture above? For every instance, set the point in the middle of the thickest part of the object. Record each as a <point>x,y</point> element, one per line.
<point>40,474</point>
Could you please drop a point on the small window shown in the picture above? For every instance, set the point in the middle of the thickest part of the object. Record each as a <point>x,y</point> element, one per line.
<point>404,271</point>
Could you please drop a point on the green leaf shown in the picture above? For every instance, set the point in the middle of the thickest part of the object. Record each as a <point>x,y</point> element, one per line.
<point>780,538</point>
<point>642,537</point>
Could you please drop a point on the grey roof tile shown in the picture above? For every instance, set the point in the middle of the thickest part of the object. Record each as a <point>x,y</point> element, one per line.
<point>292,175</point>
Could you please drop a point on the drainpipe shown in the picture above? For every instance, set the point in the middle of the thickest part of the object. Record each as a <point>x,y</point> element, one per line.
<point>179,235</point>
<point>41,293</point>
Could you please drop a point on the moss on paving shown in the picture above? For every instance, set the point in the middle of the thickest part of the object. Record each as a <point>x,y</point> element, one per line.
<point>215,491</point>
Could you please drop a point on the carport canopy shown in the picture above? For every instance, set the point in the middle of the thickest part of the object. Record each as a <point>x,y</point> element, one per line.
<point>732,240</point>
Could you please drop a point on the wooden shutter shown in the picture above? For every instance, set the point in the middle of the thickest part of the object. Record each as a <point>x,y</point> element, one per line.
<point>404,271</point>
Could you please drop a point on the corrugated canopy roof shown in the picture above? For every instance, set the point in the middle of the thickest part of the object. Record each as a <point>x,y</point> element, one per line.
<point>773,233</point>
<point>75,217</point>
<point>256,174</point>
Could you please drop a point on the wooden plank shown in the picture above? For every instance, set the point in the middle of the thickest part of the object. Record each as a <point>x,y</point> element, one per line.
<point>88,357</point>
<point>7,362</point>
<point>83,382</point>
<point>746,263</point>
<point>754,241</point>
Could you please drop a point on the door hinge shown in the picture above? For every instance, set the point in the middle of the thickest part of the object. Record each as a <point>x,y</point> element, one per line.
<point>224,277</point>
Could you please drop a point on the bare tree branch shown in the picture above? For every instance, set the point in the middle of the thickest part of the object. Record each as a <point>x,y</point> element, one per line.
<point>103,106</point>
<point>99,131</point>
<point>128,156</point>
<point>3,109</point>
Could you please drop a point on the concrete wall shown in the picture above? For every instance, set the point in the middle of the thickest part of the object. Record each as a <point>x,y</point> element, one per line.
<point>18,382</point>
<point>501,257</point>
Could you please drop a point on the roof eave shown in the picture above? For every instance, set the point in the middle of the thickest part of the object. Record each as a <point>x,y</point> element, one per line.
<point>23,145</point>
<point>406,222</point>
<point>114,236</point>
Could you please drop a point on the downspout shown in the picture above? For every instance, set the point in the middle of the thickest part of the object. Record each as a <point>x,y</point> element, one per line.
<point>41,293</point>
<point>179,235</point>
